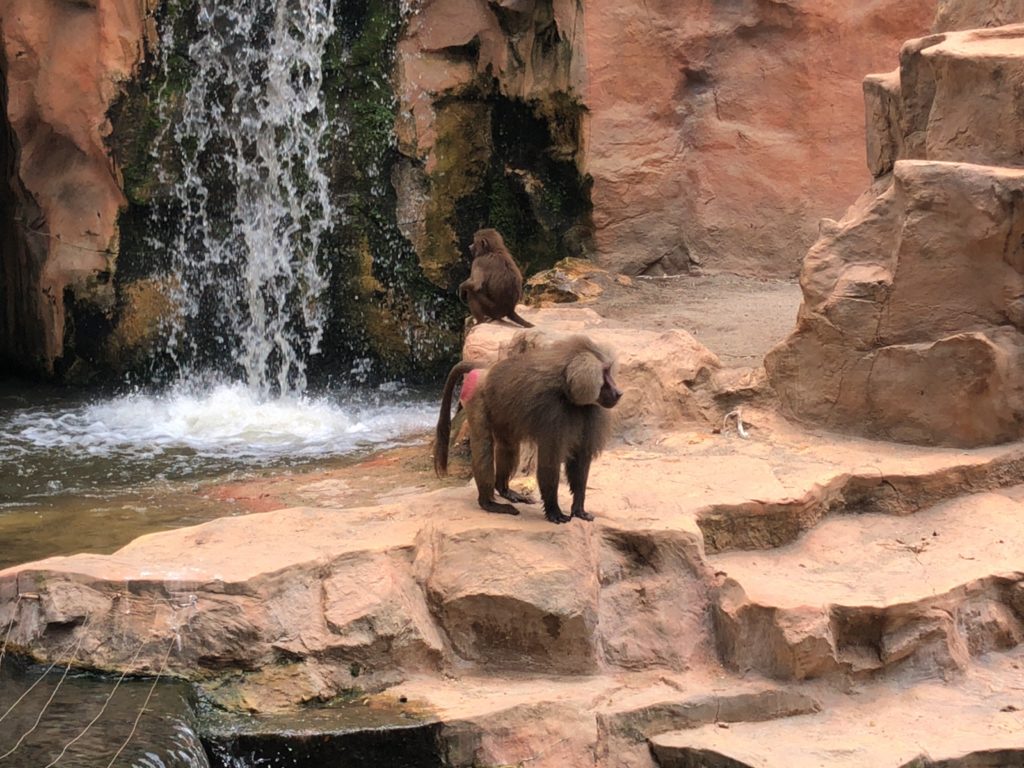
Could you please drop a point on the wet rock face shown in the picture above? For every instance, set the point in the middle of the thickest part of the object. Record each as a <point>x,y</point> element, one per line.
<point>61,64</point>
<point>77,191</point>
<point>911,323</point>
<point>540,615</point>
<point>490,126</point>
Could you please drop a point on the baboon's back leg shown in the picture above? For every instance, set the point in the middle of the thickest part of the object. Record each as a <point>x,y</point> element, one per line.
<point>476,308</point>
<point>549,465</point>
<point>481,444</point>
<point>577,468</point>
<point>506,460</point>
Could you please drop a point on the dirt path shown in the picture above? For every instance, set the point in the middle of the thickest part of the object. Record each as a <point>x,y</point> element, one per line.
<point>737,318</point>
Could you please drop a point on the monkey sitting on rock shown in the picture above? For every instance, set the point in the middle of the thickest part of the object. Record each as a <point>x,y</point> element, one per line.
<point>554,395</point>
<point>495,284</point>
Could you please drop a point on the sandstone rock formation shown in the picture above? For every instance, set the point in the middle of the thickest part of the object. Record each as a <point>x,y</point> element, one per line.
<point>720,133</point>
<point>911,323</point>
<point>62,67</point>
<point>649,629</point>
<point>680,116</point>
<point>569,281</point>
<point>953,15</point>
<point>668,378</point>
<point>490,128</point>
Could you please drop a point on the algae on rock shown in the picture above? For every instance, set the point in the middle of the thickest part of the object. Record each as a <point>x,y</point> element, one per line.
<point>507,154</point>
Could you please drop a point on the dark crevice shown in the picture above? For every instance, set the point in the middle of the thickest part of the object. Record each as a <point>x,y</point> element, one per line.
<point>21,311</point>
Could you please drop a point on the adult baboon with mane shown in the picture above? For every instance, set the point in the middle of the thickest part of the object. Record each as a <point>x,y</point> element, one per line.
<point>556,396</point>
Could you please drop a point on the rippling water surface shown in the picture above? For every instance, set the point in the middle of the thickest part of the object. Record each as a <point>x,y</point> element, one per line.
<point>76,720</point>
<point>90,474</point>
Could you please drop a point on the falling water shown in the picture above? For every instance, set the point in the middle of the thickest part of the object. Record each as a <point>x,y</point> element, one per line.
<point>244,211</point>
<point>252,192</point>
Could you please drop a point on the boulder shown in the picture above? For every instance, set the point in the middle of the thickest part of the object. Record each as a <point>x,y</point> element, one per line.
<point>570,280</point>
<point>358,609</point>
<point>654,597</point>
<point>660,373</point>
<point>538,615</point>
<point>914,303</point>
<point>906,331</point>
<point>976,111</point>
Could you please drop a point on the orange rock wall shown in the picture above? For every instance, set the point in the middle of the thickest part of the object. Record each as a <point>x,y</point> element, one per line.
<point>63,63</point>
<point>970,14</point>
<point>718,133</point>
<point>721,133</point>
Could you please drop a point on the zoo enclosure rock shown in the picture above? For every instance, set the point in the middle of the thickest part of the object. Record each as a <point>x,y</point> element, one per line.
<point>63,66</point>
<point>719,133</point>
<point>363,598</point>
<point>719,120</point>
<point>466,614</point>
<point>912,316</point>
<point>667,378</point>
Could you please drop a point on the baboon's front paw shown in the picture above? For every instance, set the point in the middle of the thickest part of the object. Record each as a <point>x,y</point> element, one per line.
<point>557,517</point>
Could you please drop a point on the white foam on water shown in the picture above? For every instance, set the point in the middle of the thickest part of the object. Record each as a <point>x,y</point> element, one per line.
<point>228,421</point>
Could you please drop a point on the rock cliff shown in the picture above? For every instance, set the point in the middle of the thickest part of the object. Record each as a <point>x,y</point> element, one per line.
<point>62,66</point>
<point>720,133</point>
<point>686,134</point>
<point>912,316</point>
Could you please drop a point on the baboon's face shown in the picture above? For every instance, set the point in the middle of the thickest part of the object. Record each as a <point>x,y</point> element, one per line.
<point>485,241</point>
<point>610,394</point>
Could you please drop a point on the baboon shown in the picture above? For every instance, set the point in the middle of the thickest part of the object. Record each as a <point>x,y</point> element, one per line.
<point>495,284</point>
<point>555,396</point>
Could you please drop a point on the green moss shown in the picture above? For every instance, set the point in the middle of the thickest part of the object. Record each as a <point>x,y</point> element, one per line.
<point>463,155</point>
<point>140,144</point>
<point>384,307</point>
<point>532,190</point>
<point>498,162</point>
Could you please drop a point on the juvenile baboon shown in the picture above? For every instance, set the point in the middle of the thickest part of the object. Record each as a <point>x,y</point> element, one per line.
<point>555,396</point>
<point>495,284</point>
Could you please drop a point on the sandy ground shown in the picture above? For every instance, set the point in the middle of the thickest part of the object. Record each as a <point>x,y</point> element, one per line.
<point>737,318</point>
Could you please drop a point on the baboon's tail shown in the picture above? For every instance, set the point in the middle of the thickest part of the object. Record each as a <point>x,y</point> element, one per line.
<point>444,420</point>
<point>514,317</point>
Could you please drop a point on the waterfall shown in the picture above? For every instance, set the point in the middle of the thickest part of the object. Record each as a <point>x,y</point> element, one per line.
<point>251,196</point>
<point>240,221</point>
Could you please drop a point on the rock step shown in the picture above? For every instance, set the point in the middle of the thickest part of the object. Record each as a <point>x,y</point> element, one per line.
<point>908,329</point>
<point>862,593</point>
<point>956,97</point>
<point>558,720</point>
<point>977,723</point>
<point>878,488</point>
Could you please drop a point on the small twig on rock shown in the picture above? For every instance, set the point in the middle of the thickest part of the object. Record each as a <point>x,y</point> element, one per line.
<point>739,422</point>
